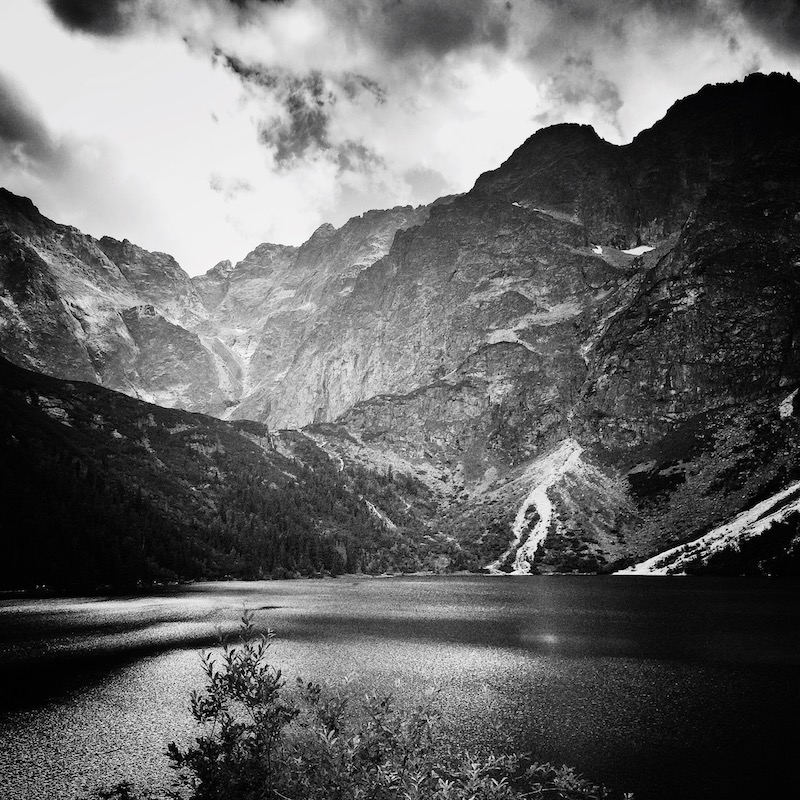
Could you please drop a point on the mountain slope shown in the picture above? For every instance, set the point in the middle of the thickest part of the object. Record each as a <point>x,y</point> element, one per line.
<point>99,488</point>
<point>639,303</point>
<point>112,313</point>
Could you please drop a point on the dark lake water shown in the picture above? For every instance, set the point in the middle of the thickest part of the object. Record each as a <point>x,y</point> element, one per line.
<point>669,688</point>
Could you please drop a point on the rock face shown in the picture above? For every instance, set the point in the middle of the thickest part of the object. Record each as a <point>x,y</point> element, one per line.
<point>107,312</point>
<point>279,309</point>
<point>110,312</point>
<point>638,303</point>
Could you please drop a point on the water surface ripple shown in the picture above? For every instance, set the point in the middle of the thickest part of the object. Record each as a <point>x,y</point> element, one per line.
<point>672,688</point>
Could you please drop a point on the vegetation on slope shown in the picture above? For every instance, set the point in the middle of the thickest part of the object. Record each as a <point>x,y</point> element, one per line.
<point>100,489</point>
<point>774,552</point>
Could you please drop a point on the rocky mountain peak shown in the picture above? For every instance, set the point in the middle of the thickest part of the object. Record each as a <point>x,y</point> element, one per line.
<point>157,278</point>
<point>324,231</point>
<point>140,265</point>
<point>757,101</point>
<point>15,210</point>
<point>21,215</point>
<point>222,269</point>
<point>266,254</point>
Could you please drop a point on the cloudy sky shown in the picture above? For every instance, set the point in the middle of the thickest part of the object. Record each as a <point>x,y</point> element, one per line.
<point>203,127</point>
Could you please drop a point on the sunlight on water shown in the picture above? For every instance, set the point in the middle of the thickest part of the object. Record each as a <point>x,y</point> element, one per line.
<point>617,679</point>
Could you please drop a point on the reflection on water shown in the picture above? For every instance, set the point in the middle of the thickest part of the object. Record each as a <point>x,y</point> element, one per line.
<point>663,687</point>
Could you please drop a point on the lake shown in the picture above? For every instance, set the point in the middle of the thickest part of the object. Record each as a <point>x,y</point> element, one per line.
<point>666,687</point>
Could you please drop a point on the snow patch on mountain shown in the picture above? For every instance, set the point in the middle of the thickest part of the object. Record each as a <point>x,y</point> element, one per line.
<point>506,335</point>
<point>786,408</point>
<point>746,525</point>
<point>639,251</point>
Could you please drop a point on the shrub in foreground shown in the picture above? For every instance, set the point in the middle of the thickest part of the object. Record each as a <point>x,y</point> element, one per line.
<point>261,741</point>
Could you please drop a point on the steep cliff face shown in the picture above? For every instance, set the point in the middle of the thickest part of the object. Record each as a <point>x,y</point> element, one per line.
<point>158,280</point>
<point>60,294</point>
<point>714,322</point>
<point>479,275</point>
<point>645,190</point>
<point>35,324</point>
<point>108,312</point>
<point>511,321</point>
<point>111,312</point>
<point>569,172</point>
<point>279,309</point>
<point>633,307</point>
<point>531,254</point>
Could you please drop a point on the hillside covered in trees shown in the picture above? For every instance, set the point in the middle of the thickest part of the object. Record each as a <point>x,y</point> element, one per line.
<point>97,488</point>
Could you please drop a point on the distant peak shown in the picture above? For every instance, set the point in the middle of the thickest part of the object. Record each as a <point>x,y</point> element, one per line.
<point>757,95</point>
<point>221,269</point>
<point>576,128</point>
<point>565,132</point>
<point>564,135</point>
<point>324,231</point>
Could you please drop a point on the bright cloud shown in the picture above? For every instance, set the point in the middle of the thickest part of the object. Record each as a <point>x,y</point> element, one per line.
<point>203,127</point>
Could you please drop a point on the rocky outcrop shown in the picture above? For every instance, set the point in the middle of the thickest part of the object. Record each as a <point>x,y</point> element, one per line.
<point>108,312</point>
<point>275,307</point>
<point>35,324</point>
<point>714,322</point>
<point>157,279</point>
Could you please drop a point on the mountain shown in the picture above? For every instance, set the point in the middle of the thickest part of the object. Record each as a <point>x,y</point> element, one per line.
<point>588,358</point>
<point>98,488</point>
<point>112,313</point>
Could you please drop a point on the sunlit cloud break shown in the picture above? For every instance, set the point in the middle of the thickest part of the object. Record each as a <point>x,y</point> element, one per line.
<point>204,128</point>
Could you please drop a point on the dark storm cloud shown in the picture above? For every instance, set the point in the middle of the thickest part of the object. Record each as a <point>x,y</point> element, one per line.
<point>304,127</point>
<point>24,137</point>
<point>777,20</point>
<point>352,156</point>
<point>432,27</point>
<point>553,27</point>
<point>307,103</point>
<point>100,17</point>
<point>354,85</point>
<point>119,17</point>
<point>590,11</point>
<point>439,27</point>
<point>253,74</point>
